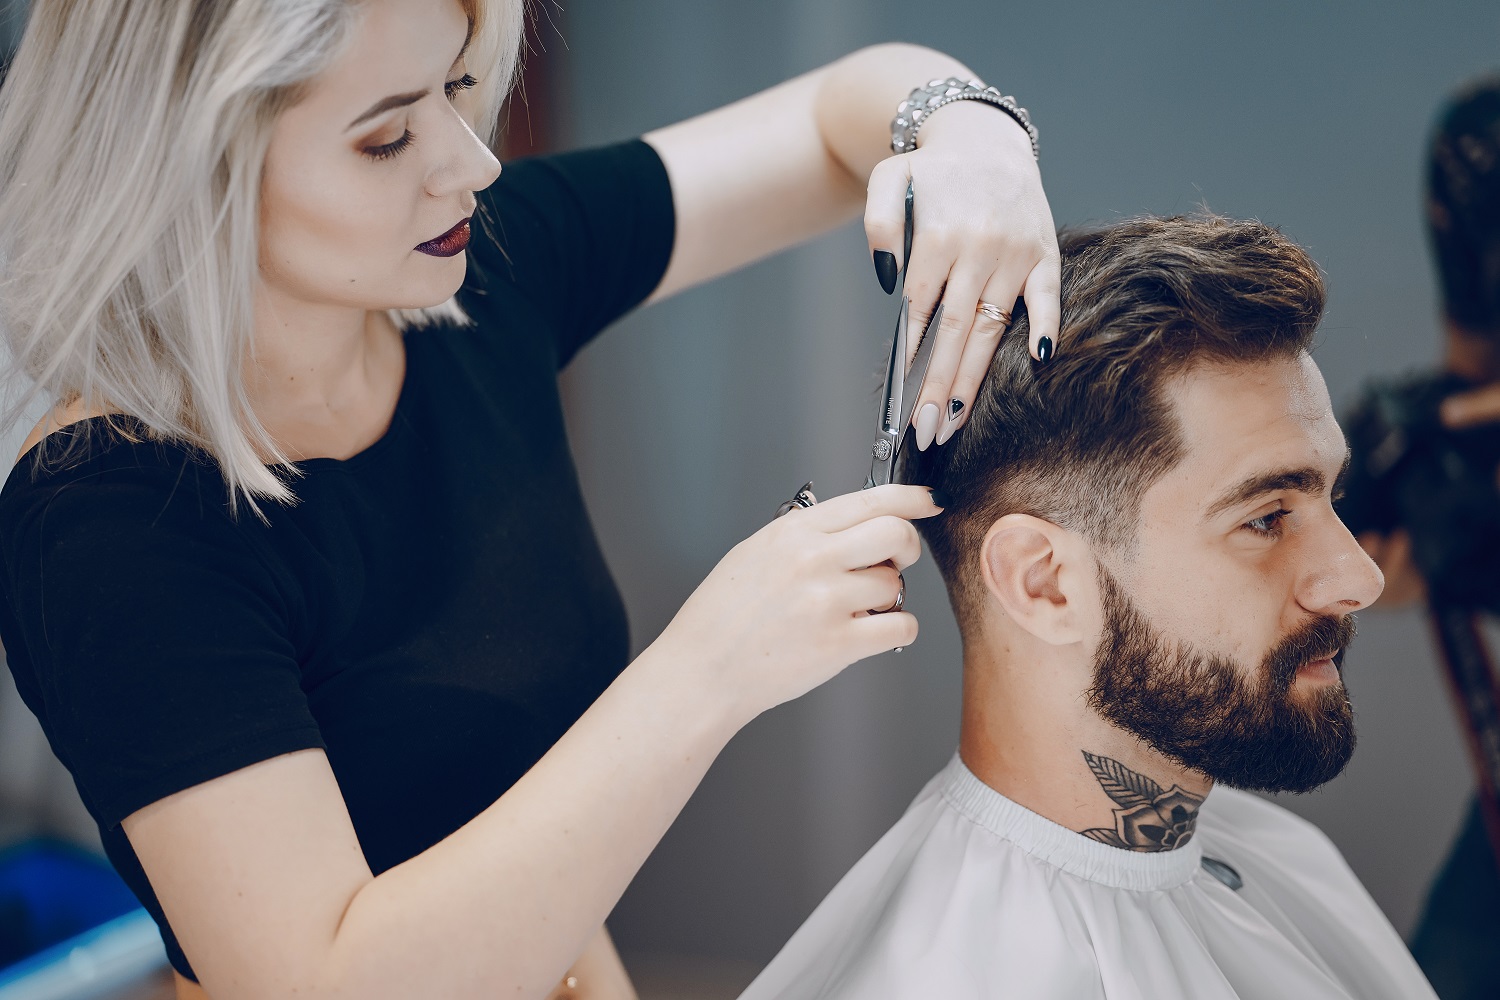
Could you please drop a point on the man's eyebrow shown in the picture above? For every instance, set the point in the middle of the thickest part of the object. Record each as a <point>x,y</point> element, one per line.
<point>1338,480</point>
<point>1304,480</point>
<point>403,100</point>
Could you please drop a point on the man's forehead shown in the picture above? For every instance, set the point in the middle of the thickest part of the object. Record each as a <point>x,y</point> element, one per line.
<point>1247,418</point>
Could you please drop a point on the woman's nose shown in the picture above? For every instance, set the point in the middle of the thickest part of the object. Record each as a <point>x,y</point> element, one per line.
<point>468,164</point>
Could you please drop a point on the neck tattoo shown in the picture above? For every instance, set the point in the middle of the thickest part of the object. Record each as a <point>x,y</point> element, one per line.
<point>1148,818</point>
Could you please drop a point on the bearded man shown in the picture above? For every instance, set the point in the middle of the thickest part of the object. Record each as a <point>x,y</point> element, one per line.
<point>1155,596</point>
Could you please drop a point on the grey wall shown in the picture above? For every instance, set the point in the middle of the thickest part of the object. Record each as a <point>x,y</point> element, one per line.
<point>694,419</point>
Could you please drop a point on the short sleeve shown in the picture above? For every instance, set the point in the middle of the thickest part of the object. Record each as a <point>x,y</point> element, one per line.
<point>149,637</point>
<point>584,236</point>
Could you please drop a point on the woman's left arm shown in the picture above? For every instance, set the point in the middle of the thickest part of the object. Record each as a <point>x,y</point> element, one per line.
<point>795,161</point>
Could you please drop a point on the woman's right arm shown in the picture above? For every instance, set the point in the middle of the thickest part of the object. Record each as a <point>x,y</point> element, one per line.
<point>261,874</point>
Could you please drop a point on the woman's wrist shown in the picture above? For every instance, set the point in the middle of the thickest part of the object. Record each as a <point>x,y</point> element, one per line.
<point>974,123</point>
<point>688,695</point>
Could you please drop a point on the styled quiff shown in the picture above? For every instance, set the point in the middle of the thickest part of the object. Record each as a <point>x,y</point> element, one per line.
<point>1078,440</point>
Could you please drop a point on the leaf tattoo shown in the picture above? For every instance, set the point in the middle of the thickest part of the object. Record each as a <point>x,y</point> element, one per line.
<point>1149,818</point>
<point>1120,783</point>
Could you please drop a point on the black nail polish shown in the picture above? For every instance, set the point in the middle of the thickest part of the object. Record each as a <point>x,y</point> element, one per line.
<point>941,499</point>
<point>886,270</point>
<point>1044,349</point>
<point>955,407</point>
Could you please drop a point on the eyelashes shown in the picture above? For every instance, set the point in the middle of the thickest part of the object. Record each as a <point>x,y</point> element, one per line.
<point>451,89</point>
<point>390,149</point>
<point>454,87</point>
<point>1268,525</point>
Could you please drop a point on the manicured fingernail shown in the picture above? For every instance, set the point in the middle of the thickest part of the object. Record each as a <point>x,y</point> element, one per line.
<point>927,425</point>
<point>1044,349</point>
<point>940,498</point>
<point>886,270</point>
<point>950,426</point>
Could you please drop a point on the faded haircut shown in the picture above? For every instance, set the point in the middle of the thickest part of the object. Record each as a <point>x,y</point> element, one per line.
<point>1078,440</point>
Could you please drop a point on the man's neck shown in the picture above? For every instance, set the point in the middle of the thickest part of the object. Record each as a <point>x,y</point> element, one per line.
<point>1029,734</point>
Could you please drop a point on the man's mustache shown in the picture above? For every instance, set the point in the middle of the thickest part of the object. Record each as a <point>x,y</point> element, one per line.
<point>1319,636</point>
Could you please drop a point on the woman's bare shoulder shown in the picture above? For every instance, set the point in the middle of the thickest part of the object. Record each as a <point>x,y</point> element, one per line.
<point>56,419</point>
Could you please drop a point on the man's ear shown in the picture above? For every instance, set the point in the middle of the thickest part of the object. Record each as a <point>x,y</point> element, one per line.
<point>1033,569</point>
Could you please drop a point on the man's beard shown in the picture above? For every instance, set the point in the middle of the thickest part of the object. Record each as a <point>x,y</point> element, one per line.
<point>1206,712</point>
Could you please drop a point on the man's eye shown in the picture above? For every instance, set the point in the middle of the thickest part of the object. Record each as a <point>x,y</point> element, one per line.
<point>1268,525</point>
<point>453,87</point>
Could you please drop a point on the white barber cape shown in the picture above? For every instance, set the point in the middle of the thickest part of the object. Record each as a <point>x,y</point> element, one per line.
<point>973,896</point>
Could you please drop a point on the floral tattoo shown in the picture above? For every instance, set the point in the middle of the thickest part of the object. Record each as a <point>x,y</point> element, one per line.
<point>1149,819</point>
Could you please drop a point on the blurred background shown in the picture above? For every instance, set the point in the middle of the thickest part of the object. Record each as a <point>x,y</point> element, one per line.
<point>692,420</point>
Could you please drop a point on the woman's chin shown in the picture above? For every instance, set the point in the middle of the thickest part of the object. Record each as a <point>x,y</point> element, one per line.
<point>429,293</point>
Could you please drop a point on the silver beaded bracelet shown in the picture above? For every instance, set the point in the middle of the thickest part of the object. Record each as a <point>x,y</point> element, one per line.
<point>923,101</point>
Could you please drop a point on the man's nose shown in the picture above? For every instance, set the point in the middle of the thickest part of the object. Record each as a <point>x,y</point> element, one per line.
<point>1342,577</point>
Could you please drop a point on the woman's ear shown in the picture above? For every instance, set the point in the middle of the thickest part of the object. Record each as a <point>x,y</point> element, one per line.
<point>1033,569</point>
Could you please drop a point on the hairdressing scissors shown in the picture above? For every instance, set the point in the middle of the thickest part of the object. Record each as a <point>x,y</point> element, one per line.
<point>903,387</point>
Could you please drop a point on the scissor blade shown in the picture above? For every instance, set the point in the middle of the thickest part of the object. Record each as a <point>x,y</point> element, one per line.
<point>911,389</point>
<point>890,410</point>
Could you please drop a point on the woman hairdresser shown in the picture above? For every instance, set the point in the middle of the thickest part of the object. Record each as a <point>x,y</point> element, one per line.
<point>298,578</point>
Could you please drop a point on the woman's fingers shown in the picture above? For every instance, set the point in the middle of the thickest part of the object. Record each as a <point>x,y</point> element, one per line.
<point>876,634</point>
<point>788,608</point>
<point>978,351</point>
<point>930,416</point>
<point>882,539</point>
<point>885,219</point>
<point>1042,293</point>
<point>844,512</point>
<point>927,278</point>
<point>873,589</point>
<point>1465,409</point>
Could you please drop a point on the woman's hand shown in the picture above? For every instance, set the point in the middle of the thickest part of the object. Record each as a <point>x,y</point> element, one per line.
<point>789,163</point>
<point>788,608</point>
<point>983,233</point>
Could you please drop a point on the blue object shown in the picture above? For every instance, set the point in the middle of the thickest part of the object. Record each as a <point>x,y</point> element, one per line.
<point>69,927</point>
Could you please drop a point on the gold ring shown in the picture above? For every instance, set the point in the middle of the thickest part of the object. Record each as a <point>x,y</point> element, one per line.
<point>994,312</point>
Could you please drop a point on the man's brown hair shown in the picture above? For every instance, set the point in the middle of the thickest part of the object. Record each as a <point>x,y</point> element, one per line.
<point>1078,439</point>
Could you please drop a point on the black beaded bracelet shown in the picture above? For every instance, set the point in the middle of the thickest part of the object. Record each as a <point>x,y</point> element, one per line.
<point>923,101</point>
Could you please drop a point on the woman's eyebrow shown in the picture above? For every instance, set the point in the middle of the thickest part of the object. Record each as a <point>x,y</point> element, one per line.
<point>386,104</point>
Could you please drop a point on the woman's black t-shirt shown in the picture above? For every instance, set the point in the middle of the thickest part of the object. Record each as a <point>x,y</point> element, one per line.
<point>433,612</point>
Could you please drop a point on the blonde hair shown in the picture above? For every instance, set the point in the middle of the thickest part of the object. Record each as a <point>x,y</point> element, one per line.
<point>132,139</point>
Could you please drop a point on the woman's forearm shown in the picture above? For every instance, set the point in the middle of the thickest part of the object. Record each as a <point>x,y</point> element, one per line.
<point>503,905</point>
<point>857,98</point>
<point>261,872</point>
<point>792,162</point>
<point>506,903</point>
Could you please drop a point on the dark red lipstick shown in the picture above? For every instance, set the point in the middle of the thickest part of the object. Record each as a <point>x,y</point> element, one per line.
<point>450,243</point>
